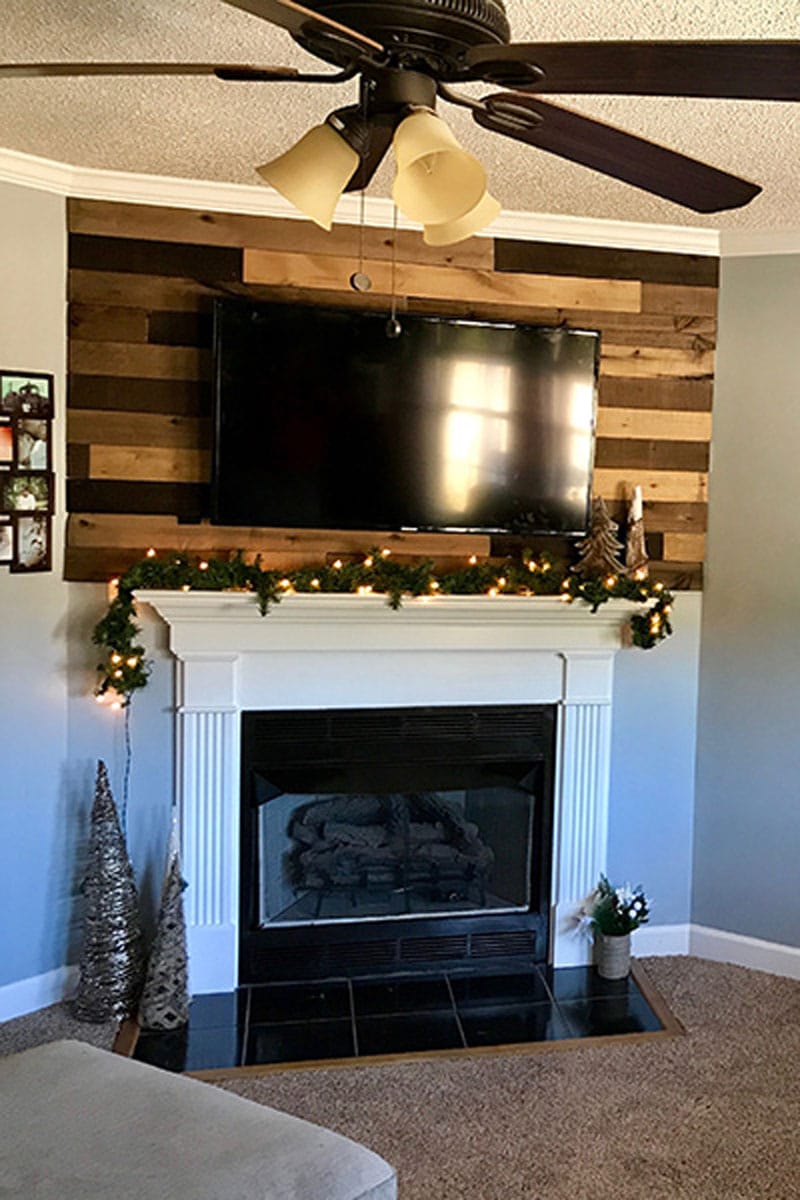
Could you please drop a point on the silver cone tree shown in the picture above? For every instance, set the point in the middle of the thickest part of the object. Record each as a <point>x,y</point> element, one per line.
<point>165,999</point>
<point>112,958</point>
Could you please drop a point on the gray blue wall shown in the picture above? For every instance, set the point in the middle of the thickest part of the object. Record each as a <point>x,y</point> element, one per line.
<point>747,828</point>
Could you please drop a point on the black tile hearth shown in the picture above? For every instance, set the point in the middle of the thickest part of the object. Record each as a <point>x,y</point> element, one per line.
<point>341,1019</point>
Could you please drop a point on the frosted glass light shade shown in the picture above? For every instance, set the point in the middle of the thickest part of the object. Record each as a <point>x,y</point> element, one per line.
<point>314,173</point>
<point>476,219</point>
<point>436,180</point>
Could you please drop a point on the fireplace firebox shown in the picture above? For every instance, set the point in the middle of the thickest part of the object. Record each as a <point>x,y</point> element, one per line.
<point>379,841</point>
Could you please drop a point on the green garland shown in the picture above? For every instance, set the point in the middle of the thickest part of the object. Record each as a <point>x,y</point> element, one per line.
<point>125,669</point>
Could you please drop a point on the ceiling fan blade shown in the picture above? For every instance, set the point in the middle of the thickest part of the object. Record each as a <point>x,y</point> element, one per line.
<point>726,70</point>
<point>614,152</point>
<point>232,72</point>
<point>304,22</point>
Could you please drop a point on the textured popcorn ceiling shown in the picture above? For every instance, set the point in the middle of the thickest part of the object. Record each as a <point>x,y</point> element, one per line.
<point>204,129</point>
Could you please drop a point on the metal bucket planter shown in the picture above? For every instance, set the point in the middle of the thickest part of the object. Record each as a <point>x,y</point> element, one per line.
<point>613,953</point>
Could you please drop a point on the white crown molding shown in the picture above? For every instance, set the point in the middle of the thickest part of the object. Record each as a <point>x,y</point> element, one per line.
<point>88,183</point>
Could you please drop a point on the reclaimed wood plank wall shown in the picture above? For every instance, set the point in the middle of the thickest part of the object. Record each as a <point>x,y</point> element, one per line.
<point>141,284</point>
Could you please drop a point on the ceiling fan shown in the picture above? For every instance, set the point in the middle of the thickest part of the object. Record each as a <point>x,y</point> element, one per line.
<point>409,53</point>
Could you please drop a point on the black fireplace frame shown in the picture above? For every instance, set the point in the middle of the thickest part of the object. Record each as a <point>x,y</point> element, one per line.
<point>469,943</point>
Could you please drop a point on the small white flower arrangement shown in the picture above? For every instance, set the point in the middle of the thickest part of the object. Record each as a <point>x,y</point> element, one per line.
<point>616,910</point>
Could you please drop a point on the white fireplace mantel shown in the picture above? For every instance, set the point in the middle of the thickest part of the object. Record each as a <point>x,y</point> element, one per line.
<point>348,651</point>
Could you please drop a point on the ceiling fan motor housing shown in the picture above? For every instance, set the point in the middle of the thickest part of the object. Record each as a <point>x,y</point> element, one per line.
<point>430,35</point>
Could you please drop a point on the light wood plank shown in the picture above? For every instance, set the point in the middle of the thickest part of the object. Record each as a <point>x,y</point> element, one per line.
<point>105,322</point>
<point>658,424</point>
<point>124,290</point>
<point>85,425</point>
<point>684,547</point>
<point>150,464</point>
<point>139,361</point>
<point>99,530</point>
<point>102,218</point>
<point>331,274</point>
<point>645,362</point>
<point>676,486</point>
<point>679,300</point>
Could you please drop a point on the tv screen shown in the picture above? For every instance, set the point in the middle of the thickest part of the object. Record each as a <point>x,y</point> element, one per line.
<point>322,420</point>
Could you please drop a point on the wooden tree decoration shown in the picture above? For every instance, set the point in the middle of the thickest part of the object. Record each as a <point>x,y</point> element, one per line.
<point>112,960</point>
<point>165,999</point>
<point>635,546</point>
<point>598,552</point>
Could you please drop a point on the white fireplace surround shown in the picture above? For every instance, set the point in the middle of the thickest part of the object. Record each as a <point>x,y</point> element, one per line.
<point>350,651</point>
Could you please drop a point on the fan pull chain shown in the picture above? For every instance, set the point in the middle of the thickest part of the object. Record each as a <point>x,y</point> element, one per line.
<point>393,326</point>
<point>360,280</point>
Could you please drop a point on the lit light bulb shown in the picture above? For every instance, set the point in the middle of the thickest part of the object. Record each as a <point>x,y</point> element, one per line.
<point>492,591</point>
<point>118,674</point>
<point>385,552</point>
<point>202,566</point>
<point>611,581</point>
<point>565,598</point>
<point>337,564</point>
<point>502,581</point>
<point>434,585</point>
<point>667,609</point>
<point>314,583</point>
<point>116,658</point>
<point>132,661</point>
<point>545,565</point>
<point>472,560</point>
<point>368,561</point>
<point>116,706</point>
<point>285,584</point>
<point>364,589</point>
<point>658,587</point>
<point>185,588</point>
<point>151,553</point>
<point>564,584</point>
<point>640,573</point>
<point>99,699</point>
<point>533,565</point>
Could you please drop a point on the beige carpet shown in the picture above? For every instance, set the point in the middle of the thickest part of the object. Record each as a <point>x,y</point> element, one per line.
<point>712,1115</point>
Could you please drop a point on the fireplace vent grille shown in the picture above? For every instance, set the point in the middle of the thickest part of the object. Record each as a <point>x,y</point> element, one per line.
<point>433,949</point>
<point>412,724</point>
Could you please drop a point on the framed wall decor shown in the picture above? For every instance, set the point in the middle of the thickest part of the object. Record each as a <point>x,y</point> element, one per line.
<point>27,491</point>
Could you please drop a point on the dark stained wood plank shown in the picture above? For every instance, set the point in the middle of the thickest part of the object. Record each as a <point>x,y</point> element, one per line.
<point>691,395</point>
<point>553,258</point>
<point>77,461</point>
<point>186,501</point>
<point>649,454</point>
<point>180,329</point>
<point>686,576</point>
<point>180,397</point>
<point>210,263</point>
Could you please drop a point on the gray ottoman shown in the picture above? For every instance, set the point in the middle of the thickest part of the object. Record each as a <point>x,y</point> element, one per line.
<point>78,1123</point>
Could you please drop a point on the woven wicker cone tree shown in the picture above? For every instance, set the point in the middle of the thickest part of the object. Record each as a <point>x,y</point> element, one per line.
<point>165,999</point>
<point>112,959</point>
<point>598,553</point>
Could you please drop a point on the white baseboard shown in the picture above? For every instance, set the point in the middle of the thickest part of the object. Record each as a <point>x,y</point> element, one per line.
<point>29,995</point>
<point>658,940</point>
<point>722,946</point>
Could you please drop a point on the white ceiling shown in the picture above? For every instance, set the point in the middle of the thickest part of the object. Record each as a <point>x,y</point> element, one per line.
<point>198,128</point>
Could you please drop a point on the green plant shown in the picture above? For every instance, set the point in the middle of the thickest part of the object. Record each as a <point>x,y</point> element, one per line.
<point>617,910</point>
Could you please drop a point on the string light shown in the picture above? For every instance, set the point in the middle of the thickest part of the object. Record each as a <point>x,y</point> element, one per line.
<point>364,589</point>
<point>385,552</point>
<point>472,560</point>
<point>368,561</point>
<point>116,658</point>
<point>502,581</point>
<point>151,553</point>
<point>611,581</point>
<point>116,705</point>
<point>337,564</point>
<point>434,585</point>
<point>185,587</point>
<point>285,584</point>
<point>132,661</point>
<point>202,566</point>
<point>315,583</point>
<point>492,591</point>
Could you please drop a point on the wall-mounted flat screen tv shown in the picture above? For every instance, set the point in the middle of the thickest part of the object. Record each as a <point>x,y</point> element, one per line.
<point>324,421</point>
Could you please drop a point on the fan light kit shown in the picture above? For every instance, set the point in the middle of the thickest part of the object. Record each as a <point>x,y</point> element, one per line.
<point>407,54</point>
